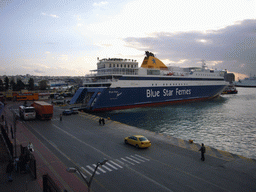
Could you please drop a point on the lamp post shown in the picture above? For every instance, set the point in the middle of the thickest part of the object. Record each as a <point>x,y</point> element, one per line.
<point>88,183</point>
<point>15,117</point>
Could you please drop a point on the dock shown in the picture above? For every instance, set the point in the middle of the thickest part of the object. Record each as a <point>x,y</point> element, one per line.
<point>221,171</point>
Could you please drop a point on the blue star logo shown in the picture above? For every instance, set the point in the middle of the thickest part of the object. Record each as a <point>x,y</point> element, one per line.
<point>154,61</point>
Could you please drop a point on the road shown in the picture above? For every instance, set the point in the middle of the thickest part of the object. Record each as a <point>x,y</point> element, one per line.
<point>79,140</point>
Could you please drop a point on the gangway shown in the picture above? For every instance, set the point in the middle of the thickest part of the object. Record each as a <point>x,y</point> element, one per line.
<point>79,96</point>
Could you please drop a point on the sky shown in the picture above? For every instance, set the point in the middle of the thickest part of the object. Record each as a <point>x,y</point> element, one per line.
<point>65,37</point>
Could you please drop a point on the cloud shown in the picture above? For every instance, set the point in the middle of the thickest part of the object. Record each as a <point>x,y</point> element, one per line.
<point>37,71</point>
<point>232,47</point>
<point>100,4</point>
<point>50,15</point>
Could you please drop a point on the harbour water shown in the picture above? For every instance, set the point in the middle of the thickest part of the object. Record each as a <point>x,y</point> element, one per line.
<point>227,123</point>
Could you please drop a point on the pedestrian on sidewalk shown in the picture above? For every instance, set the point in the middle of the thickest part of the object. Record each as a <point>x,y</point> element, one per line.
<point>27,162</point>
<point>202,149</point>
<point>103,121</point>
<point>22,163</point>
<point>60,117</point>
<point>100,121</point>
<point>30,147</point>
<point>9,170</point>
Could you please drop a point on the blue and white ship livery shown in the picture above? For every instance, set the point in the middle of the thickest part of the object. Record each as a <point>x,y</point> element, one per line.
<point>121,84</point>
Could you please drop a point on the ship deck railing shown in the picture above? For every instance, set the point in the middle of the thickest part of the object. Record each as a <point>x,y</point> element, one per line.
<point>90,80</point>
<point>116,71</point>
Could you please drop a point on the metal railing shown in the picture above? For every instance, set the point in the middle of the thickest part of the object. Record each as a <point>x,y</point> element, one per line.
<point>49,185</point>
<point>7,141</point>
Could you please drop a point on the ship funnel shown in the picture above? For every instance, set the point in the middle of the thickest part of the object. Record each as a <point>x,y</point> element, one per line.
<point>150,61</point>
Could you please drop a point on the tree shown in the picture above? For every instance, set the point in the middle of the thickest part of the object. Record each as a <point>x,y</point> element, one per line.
<point>20,85</point>
<point>31,84</point>
<point>13,85</point>
<point>6,83</point>
<point>1,85</point>
<point>43,84</point>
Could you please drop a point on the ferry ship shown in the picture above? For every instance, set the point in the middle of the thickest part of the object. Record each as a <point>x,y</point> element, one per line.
<point>120,84</point>
<point>247,82</point>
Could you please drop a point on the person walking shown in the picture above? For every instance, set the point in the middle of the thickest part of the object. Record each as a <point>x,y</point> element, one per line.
<point>22,163</point>
<point>100,121</point>
<point>202,149</point>
<point>9,170</point>
<point>103,121</point>
<point>30,147</point>
<point>60,117</point>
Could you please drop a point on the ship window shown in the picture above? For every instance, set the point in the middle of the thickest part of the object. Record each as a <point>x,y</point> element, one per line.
<point>121,65</point>
<point>117,65</point>
<point>114,65</point>
<point>110,65</point>
<point>124,65</point>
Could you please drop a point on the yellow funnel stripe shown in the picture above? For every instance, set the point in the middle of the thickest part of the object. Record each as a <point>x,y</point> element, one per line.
<point>152,62</point>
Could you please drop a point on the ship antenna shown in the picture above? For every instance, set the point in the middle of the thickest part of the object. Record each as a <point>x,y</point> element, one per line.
<point>203,64</point>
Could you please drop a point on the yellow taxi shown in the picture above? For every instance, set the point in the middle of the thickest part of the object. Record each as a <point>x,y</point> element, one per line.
<point>139,141</point>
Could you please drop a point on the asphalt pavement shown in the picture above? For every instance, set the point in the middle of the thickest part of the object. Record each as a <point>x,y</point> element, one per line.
<point>171,164</point>
<point>46,161</point>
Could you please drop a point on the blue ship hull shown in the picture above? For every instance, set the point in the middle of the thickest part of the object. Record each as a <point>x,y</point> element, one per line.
<point>104,99</point>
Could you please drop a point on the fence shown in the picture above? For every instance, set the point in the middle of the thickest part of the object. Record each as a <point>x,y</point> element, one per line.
<point>31,162</point>
<point>7,141</point>
<point>49,185</point>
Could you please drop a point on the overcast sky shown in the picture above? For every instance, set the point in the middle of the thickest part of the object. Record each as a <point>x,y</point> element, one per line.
<point>65,37</point>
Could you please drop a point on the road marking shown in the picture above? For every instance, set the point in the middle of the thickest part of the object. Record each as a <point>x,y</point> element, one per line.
<point>137,158</point>
<point>98,169</point>
<point>115,164</point>
<point>55,146</point>
<point>46,162</point>
<point>120,162</point>
<point>89,173</point>
<point>209,151</point>
<point>105,167</point>
<point>132,160</point>
<point>194,147</point>
<point>127,161</point>
<point>83,175</point>
<point>142,157</point>
<point>106,155</point>
<point>246,159</point>
<point>181,143</point>
<point>92,169</point>
<point>225,154</point>
<point>111,165</point>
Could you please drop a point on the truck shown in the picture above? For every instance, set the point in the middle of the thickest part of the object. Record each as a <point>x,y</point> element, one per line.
<point>44,110</point>
<point>27,113</point>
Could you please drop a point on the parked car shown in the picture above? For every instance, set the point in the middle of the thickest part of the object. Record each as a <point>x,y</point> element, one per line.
<point>139,141</point>
<point>74,110</point>
<point>67,112</point>
<point>58,102</point>
<point>59,97</point>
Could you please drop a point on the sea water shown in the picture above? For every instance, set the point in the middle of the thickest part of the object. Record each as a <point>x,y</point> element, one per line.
<point>227,123</point>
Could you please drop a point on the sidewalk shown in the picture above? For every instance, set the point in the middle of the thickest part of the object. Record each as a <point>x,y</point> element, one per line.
<point>46,163</point>
<point>21,182</point>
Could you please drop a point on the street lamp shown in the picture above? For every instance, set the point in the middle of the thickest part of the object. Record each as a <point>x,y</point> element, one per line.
<point>76,169</point>
<point>15,118</point>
